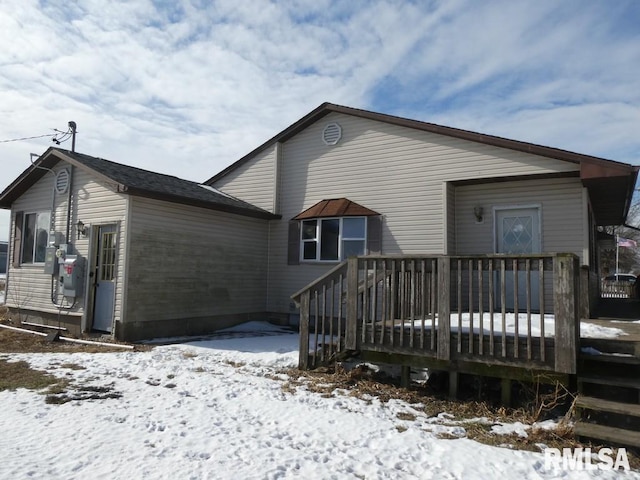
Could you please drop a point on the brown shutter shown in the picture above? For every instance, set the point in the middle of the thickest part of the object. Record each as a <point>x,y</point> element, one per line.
<point>293,253</point>
<point>374,235</point>
<point>17,239</point>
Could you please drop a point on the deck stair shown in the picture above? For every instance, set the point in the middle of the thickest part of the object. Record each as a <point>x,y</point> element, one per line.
<point>608,402</point>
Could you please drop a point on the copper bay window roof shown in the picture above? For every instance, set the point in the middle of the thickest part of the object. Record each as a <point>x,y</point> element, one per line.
<point>335,207</point>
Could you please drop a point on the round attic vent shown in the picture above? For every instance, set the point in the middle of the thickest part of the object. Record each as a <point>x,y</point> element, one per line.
<point>331,134</point>
<point>62,181</point>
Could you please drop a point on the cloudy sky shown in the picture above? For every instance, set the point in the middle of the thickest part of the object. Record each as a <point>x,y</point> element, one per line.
<point>186,87</point>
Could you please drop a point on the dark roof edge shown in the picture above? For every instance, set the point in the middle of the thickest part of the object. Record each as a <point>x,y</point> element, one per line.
<point>247,212</point>
<point>284,135</point>
<point>632,188</point>
<point>492,140</point>
<point>53,155</point>
<point>38,168</point>
<point>76,163</point>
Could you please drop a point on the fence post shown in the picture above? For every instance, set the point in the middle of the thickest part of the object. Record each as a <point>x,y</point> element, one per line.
<point>351,327</point>
<point>444,308</point>
<point>303,356</point>
<point>585,287</point>
<point>566,308</point>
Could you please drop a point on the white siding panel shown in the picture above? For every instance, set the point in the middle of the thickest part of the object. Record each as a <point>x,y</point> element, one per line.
<point>254,181</point>
<point>92,202</point>
<point>187,262</point>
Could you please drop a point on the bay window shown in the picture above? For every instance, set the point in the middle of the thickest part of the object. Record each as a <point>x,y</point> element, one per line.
<point>333,239</point>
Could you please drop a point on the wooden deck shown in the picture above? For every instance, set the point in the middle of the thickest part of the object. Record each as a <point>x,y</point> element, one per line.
<point>458,315</point>
<point>388,309</point>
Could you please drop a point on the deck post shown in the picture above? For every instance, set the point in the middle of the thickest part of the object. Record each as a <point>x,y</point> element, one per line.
<point>444,308</point>
<point>405,376</point>
<point>585,306</point>
<point>303,359</point>
<point>351,327</point>
<point>566,309</point>
<point>505,392</point>
<point>453,384</point>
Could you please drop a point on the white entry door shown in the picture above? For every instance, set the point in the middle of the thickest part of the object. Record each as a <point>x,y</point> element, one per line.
<point>105,271</point>
<point>518,233</point>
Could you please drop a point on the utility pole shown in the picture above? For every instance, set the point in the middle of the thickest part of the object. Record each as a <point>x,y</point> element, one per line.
<point>72,127</point>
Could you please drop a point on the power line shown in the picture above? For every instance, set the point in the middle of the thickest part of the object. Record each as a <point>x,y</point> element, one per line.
<point>27,138</point>
<point>58,137</point>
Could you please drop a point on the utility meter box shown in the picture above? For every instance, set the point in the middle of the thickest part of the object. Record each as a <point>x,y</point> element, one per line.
<point>50,261</point>
<point>72,275</point>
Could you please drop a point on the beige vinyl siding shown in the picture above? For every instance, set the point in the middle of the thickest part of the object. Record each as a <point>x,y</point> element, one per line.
<point>187,262</point>
<point>28,286</point>
<point>253,182</point>
<point>449,226</point>
<point>99,204</point>
<point>393,170</point>
<point>561,204</point>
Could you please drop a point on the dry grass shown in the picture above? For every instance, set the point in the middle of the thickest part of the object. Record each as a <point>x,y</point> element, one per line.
<point>15,375</point>
<point>12,341</point>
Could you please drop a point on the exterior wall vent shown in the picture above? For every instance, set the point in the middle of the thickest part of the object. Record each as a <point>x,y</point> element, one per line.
<point>331,134</point>
<point>62,181</point>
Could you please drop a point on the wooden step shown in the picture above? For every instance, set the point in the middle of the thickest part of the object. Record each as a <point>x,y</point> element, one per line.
<point>599,404</point>
<point>612,381</point>
<point>611,358</point>
<point>609,345</point>
<point>618,436</point>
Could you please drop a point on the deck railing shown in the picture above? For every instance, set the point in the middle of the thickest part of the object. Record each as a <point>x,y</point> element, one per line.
<point>518,310</point>
<point>617,289</point>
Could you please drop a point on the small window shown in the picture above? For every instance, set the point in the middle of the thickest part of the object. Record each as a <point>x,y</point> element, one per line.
<point>36,237</point>
<point>333,239</point>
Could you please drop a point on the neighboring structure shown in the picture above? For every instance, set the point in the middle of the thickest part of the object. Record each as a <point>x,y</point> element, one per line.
<point>3,257</point>
<point>131,252</point>
<point>436,190</point>
<point>166,256</point>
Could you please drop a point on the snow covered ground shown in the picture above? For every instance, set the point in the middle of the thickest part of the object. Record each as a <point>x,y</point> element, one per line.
<point>215,408</point>
<point>532,324</point>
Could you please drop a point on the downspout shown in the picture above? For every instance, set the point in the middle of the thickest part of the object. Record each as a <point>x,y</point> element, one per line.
<point>52,231</point>
<point>69,197</point>
<point>67,239</point>
<point>266,297</point>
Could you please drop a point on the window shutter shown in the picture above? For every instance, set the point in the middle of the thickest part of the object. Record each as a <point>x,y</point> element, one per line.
<point>374,235</point>
<point>17,239</point>
<point>293,253</point>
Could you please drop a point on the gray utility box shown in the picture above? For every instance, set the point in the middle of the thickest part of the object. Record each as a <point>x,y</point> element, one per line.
<point>50,261</point>
<point>72,275</point>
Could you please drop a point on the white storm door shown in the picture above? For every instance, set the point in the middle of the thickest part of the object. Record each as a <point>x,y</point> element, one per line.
<point>105,268</point>
<point>518,233</point>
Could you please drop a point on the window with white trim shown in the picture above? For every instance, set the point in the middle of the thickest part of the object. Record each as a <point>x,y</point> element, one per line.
<point>332,239</point>
<point>36,237</point>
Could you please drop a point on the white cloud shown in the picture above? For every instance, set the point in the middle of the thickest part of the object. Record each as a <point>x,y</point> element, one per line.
<point>188,87</point>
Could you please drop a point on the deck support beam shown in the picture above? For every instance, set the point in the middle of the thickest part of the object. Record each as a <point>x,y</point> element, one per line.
<point>405,376</point>
<point>453,385</point>
<point>505,391</point>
